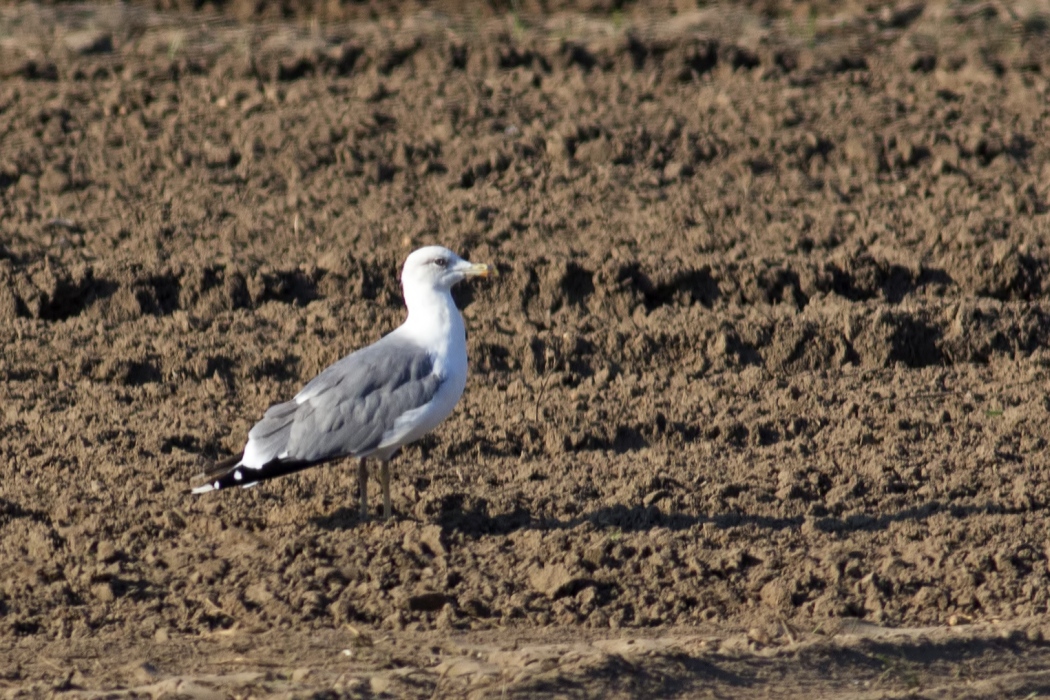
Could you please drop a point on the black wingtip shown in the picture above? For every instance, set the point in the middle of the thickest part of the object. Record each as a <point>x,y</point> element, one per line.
<point>229,472</point>
<point>216,469</point>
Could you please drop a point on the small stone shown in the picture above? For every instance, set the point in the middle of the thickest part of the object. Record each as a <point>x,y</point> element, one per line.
<point>143,673</point>
<point>446,618</point>
<point>431,537</point>
<point>379,684</point>
<point>555,580</point>
<point>759,636</point>
<point>258,593</point>
<point>775,594</point>
<point>332,260</point>
<point>89,42</point>
<point>675,170</point>
<point>106,551</point>
<point>172,518</point>
<point>54,181</point>
<point>219,156</point>
<point>474,607</point>
<point>104,592</point>
<point>549,579</point>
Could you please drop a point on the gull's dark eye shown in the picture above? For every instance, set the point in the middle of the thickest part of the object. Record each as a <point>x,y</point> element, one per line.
<point>440,262</point>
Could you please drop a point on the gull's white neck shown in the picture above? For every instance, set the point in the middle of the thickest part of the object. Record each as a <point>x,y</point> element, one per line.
<point>433,319</point>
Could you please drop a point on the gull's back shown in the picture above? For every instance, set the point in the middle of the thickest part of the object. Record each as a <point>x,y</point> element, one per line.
<point>348,408</point>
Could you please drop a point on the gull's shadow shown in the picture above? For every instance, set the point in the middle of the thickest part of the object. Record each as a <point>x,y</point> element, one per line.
<point>618,517</point>
<point>474,520</point>
<point>342,518</point>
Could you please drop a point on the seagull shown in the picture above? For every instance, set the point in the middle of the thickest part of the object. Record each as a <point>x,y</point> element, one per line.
<point>375,400</point>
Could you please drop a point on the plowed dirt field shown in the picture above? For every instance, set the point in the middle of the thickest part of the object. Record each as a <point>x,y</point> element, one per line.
<point>757,407</point>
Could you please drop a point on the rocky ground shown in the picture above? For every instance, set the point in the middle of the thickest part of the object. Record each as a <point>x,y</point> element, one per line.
<point>757,405</point>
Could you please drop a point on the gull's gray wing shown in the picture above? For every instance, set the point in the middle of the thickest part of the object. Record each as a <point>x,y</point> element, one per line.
<point>347,408</point>
<point>269,437</point>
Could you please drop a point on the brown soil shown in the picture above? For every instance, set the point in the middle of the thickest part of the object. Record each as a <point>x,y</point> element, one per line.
<point>757,407</point>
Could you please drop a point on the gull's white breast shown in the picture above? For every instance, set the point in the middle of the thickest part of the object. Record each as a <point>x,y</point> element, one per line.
<point>445,332</point>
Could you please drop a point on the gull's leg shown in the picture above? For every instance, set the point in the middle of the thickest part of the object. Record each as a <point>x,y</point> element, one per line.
<point>384,477</point>
<point>362,487</point>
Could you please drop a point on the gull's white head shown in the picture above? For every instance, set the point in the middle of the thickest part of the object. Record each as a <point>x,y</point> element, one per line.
<point>438,268</point>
